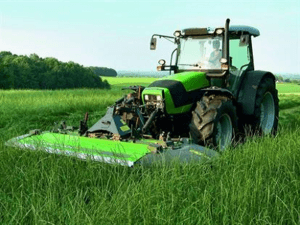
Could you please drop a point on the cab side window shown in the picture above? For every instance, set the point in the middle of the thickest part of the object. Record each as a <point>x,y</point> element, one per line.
<point>239,55</point>
<point>240,60</point>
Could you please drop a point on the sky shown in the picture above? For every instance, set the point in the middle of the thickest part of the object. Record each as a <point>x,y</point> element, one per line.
<point>116,34</point>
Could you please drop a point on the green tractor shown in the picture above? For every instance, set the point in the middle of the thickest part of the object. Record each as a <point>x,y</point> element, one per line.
<point>213,94</point>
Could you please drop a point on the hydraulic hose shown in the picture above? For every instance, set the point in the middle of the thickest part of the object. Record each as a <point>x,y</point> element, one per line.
<point>150,120</point>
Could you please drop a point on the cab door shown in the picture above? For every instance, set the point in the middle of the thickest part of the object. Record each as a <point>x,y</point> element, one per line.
<point>241,60</point>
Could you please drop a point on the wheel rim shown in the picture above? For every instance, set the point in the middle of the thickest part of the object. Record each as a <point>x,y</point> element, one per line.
<point>224,132</point>
<point>267,113</point>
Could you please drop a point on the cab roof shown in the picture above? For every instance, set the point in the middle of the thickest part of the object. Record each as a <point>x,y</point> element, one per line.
<point>241,28</point>
<point>232,29</point>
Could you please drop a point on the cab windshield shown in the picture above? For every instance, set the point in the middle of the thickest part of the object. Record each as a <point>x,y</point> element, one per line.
<point>200,53</point>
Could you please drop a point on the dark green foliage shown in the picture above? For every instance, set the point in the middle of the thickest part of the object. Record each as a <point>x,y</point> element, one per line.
<point>103,71</point>
<point>295,81</point>
<point>33,72</point>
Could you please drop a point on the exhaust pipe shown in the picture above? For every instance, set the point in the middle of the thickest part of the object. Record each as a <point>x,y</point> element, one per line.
<point>226,41</point>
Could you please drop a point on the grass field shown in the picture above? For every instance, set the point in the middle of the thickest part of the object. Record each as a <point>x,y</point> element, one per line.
<point>256,183</point>
<point>287,88</point>
<point>129,81</point>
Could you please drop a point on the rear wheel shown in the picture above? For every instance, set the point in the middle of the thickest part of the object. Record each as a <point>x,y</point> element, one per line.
<point>214,122</point>
<point>266,108</point>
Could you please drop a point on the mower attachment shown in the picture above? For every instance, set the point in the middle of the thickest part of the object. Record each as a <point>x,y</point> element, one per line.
<point>126,153</point>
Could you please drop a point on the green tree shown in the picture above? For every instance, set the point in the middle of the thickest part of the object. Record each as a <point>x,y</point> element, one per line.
<point>33,72</point>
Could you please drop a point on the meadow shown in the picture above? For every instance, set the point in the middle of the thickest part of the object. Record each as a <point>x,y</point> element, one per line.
<point>258,182</point>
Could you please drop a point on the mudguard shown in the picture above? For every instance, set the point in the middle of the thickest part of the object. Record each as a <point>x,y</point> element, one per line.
<point>248,89</point>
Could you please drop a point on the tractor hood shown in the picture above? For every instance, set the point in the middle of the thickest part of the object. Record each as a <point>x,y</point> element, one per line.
<point>190,81</point>
<point>179,91</point>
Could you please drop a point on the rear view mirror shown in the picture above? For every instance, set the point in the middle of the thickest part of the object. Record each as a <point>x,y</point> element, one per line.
<point>244,40</point>
<point>153,44</point>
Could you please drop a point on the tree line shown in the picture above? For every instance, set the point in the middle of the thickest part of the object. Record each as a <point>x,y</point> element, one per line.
<point>289,78</point>
<point>34,72</point>
<point>104,71</point>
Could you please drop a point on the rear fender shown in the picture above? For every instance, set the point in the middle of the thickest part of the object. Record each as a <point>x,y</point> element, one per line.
<point>248,89</point>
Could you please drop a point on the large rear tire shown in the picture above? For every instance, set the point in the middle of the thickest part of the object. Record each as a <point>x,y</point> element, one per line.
<point>214,122</point>
<point>266,108</point>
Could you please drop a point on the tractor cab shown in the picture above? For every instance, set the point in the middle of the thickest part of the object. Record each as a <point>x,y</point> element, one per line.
<point>198,49</point>
<point>202,52</point>
<point>222,53</point>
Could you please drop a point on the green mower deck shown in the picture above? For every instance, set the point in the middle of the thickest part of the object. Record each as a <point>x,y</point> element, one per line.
<point>125,153</point>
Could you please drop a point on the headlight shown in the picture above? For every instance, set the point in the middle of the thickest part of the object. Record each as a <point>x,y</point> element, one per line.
<point>223,60</point>
<point>219,31</point>
<point>162,62</point>
<point>152,98</point>
<point>177,33</point>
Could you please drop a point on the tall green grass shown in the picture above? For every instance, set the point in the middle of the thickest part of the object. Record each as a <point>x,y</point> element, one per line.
<point>256,183</point>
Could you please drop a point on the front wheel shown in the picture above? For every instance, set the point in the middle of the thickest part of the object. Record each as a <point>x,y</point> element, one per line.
<point>214,122</point>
